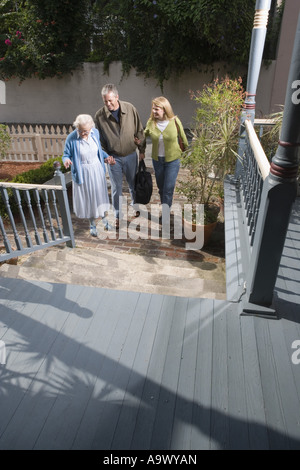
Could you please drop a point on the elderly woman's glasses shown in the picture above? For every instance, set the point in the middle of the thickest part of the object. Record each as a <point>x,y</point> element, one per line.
<point>84,131</point>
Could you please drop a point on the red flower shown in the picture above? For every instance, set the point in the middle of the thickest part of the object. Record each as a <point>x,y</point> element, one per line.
<point>8,42</point>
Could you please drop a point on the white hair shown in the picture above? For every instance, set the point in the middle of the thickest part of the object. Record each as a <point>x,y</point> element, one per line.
<point>83,119</point>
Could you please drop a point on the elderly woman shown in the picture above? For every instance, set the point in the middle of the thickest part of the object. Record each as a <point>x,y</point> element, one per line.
<point>84,154</point>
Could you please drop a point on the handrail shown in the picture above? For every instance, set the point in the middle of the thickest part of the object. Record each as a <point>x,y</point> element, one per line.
<point>264,122</point>
<point>259,154</point>
<point>29,186</point>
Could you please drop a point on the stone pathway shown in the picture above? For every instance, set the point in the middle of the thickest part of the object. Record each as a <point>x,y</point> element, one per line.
<point>131,259</point>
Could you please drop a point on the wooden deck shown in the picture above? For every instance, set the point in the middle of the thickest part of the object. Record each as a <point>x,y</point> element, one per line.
<point>91,368</point>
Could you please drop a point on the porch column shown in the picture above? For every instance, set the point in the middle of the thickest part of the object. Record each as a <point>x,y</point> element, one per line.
<point>279,193</point>
<point>258,38</point>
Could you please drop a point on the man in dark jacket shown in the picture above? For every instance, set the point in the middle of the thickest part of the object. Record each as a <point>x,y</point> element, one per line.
<point>119,125</point>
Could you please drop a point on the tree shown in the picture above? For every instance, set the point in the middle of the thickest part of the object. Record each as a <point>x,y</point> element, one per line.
<point>43,38</point>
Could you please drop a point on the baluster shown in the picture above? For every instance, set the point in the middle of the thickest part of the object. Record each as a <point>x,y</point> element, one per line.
<point>17,196</point>
<point>38,202</point>
<point>59,228</point>
<point>259,191</point>
<point>249,212</point>
<point>11,218</point>
<point>45,196</point>
<point>247,182</point>
<point>29,206</point>
<point>5,239</point>
<point>244,180</point>
<point>243,173</point>
<point>253,205</point>
<point>253,187</point>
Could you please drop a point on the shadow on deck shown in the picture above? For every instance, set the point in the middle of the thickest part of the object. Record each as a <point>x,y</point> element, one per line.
<point>91,368</point>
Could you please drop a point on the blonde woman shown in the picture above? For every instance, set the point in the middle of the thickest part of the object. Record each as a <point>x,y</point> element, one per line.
<point>163,128</point>
<point>84,154</point>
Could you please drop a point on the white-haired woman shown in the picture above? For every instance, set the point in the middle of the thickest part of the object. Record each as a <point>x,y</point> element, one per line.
<point>84,154</point>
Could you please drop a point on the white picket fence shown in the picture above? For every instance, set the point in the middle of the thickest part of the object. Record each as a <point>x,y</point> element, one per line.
<point>36,143</point>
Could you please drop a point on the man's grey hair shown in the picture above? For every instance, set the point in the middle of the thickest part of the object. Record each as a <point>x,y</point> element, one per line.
<point>84,119</point>
<point>109,88</point>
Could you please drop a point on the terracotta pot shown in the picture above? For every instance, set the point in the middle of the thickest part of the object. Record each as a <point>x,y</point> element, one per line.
<point>208,230</point>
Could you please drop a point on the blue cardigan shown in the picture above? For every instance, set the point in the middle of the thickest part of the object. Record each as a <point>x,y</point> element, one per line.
<point>71,151</point>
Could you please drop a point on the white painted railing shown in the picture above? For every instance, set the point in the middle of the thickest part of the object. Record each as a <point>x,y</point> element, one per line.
<point>256,168</point>
<point>34,217</point>
<point>258,152</point>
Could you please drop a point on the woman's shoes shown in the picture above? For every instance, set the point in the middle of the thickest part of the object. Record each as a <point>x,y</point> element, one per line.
<point>106,224</point>
<point>93,232</point>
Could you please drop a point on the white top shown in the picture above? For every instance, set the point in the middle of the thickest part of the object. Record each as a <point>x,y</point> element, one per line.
<point>88,150</point>
<point>161,125</point>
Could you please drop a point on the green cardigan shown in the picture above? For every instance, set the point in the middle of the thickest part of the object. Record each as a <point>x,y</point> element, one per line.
<point>172,149</point>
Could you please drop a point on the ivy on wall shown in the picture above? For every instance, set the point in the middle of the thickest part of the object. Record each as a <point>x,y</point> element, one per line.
<point>43,38</point>
<point>159,38</point>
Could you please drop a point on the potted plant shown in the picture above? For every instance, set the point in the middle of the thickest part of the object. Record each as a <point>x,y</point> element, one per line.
<point>213,150</point>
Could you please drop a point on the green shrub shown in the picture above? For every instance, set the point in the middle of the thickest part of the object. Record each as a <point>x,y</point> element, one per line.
<point>40,175</point>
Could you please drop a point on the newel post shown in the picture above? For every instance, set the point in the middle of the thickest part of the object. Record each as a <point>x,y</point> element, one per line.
<point>65,212</point>
<point>258,38</point>
<point>279,193</point>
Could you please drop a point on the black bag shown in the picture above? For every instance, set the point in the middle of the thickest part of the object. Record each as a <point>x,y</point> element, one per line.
<point>143,184</point>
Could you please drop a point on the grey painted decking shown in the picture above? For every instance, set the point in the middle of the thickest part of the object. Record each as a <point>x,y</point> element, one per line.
<point>91,368</point>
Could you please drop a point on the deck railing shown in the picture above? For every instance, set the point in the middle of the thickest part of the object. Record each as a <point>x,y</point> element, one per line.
<point>34,217</point>
<point>36,143</point>
<point>255,169</point>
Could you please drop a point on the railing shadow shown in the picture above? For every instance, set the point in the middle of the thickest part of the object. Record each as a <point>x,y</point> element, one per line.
<point>92,401</point>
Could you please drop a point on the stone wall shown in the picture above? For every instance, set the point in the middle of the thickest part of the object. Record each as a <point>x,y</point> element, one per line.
<point>59,101</point>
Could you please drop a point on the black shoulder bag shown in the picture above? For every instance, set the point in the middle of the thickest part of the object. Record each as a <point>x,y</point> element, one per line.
<point>143,184</point>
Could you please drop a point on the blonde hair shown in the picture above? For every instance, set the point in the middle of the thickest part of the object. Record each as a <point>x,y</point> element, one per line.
<point>162,102</point>
<point>82,120</point>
